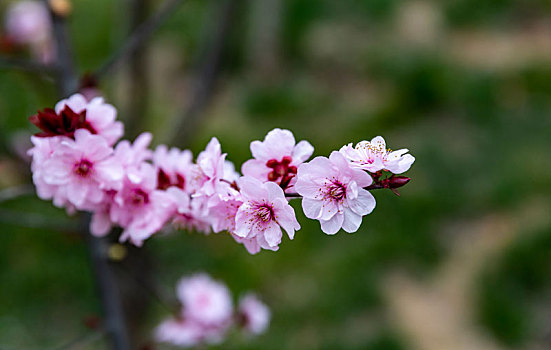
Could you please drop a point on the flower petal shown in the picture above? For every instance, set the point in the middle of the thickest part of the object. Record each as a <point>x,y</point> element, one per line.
<point>332,225</point>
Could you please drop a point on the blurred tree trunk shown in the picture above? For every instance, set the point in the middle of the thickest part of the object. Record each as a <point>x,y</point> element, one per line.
<point>207,72</point>
<point>134,269</point>
<point>138,73</point>
<point>264,37</point>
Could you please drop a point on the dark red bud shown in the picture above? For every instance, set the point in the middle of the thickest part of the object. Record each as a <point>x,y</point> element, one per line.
<point>398,181</point>
<point>286,160</point>
<point>163,180</point>
<point>293,169</point>
<point>88,80</point>
<point>272,163</point>
<point>273,176</point>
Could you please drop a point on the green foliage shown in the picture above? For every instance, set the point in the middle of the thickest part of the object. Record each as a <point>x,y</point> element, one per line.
<point>522,274</point>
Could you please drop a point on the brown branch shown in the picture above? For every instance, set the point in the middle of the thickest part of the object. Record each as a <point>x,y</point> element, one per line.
<point>138,38</point>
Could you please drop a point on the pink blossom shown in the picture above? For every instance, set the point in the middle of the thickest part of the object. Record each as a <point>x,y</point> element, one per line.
<point>42,150</point>
<point>374,156</point>
<point>263,213</point>
<point>211,164</point>
<point>132,155</point>
<point>189,212</point>
<point>214,175</point>
<point>100,224</point>
<point>277,158</point>
<point>139,207</point>
<point>28,22</point>
<point>173,167</point>
<point>100,115</point>
<point>184,333</point>
<point>205,301</point>
<point>251,244</point>
<point>254,314</point>
<point>82,169</point>
<point>222,213</point>
<point>333,194</point>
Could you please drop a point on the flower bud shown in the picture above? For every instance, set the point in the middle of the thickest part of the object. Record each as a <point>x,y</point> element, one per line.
<point>398,181</point>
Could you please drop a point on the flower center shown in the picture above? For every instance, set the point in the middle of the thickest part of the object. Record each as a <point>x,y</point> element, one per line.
<point>164,181</point>
<point>265,213</point>
<point>282,172</point>
<point>65,123</point>
<point>83,168</point>
<point>337,191</point>
<point>139,197</point>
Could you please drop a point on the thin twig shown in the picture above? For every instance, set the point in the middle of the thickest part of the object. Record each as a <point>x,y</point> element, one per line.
<point>9,63</point>
<point>205,78</point>
<point>138,37</point>
<point>15,192</point>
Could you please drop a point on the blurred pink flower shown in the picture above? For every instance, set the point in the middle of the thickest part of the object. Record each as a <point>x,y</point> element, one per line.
<point>184,333</point>
<point>333,194</point>
<point>205,301</point>
<point>264,212</point>
<point>374,156</point>
<point>254,314</point>
<point>28,22</point>
<point>277,158</point>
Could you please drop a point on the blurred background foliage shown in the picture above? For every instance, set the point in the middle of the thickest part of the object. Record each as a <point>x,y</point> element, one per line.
<point>462,260</point>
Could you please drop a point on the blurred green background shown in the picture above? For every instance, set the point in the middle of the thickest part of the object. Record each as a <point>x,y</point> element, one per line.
<point>462,260</point>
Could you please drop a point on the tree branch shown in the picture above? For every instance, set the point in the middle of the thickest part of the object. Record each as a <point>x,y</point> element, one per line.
<point>8,63</point>
<point>138,37</point>
<point>67,82</point>
<point>15,192</point>
<point>108,288</point>
<point>34,220</point>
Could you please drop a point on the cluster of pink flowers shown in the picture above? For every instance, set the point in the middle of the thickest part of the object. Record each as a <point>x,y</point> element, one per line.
<point>207,314</point>
<point>28,24</point>
<point>80,164</point>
